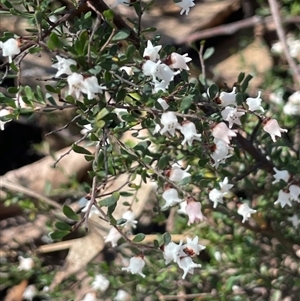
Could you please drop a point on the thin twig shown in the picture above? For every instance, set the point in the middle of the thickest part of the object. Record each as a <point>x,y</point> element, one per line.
<point>201,50</point>
<point>280,32</point>
<point>65,126</point>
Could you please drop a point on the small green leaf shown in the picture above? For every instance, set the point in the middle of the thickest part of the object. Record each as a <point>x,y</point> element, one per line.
<point>58,234</point>
<point>80,150</point>
<point>125,194</point>
<point>12,90</point>
<point>139,237</point>
<point>241,77</point>
<point>54,41</point>
<point>110,201</point>
<point>102,114</point>
<point>245,82</point>
<point>109,17</point>
<point>69,213</point>
<point>63,226</point>
<point>121,35</point>
<point>51,89</point>
<point>167,238</point>
<point>186,102</point>
<point>213,91</point>
<point>156,243</point>
<point>208,53</point>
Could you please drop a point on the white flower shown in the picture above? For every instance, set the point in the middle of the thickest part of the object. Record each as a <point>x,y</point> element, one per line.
<point>179,61</point>
<point>122,296</point>
<point>113,236</point>
<point>29,292</point>
<point>76,84</point>
<point>221,131</point>
<point>165,73</point>
<point>128,70</point>
<point>294,193</point>
<point>130,219</point>
<point>150,68</point>
<point>63,66</point>
<point>220,152</point>
<point>292,107</point>
<point>193,210</point>
<point>177,174</point>
<point>3,113</point>
<point>245,211</point>
<point>100,283</point>
<point>216,196</point>
<point>283,199</point>
<point>187,264</point>
<point>91,86</point>
<point>170,195</point>
<point>136,265</point>
<point>163,103</point>
<point>280,175</point>
<point>254,104</point>
<point>182,208</point>
<point>10,48</point>
<point>294,220</point>
<point>172,252</point>
<point>86,128</point>
<point>188,130</point>
<point>293,46</point>
<point>228,99</point>
<point>185,5</point>
<point>160,86</point>
<point>90,297</point>
<point>225,186</point>
<point>93,210</point>
<point>232,116</point>
<point>272,127</point>
<point>151,52</point>
<point>170,123</point>
<point>192,248</point>
<point>26,264</point>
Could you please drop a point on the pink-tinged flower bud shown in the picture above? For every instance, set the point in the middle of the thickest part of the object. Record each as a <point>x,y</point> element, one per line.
<point>193,210</point>
<point>272,127</point>
<point>221,131</point>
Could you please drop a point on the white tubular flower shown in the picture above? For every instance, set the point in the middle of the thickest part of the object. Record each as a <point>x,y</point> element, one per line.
<point>136,265</point>
<point>280,175</point>
<point>10,48</point>
<point>232,116</point>
<point>113,236</point>
<point>151,52</point>
<point>179,61</point>
<point>295,220</point>
<point>165,73</point>
<point>228,99</point>
<point>225,186</point>
<point>272,127</point>
<point>254,104</point>
<point>188,130</point>
<point>187,264</point>
<point>170,123</point>
<point>163,103</point>
<point>221,131</point>
<point>130,219</point>
<point>245,211</point>
<point>160,86</point>
<point>128,70</point>
<point>177,174</point>
<point>283,199</point>
<point>150,68</point>
<point>93,210</point>
<point>3,113</point>
<point>100,283</point>
<point>122,296</point>
<point>63,66</point>
<point>90,297</point>
<point>295,193</point>
<point>172,252</point>
<point>193,210</point>
<point>192,248</point>
<point>91,86</point>
<point>76,84</point>
<point>182,208</point>
<point>26,264</point>
<point>220,152</point>
<point>170,195</point>
<point>216,196</point>
<point>29,293</point>
<point>185,5</point>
